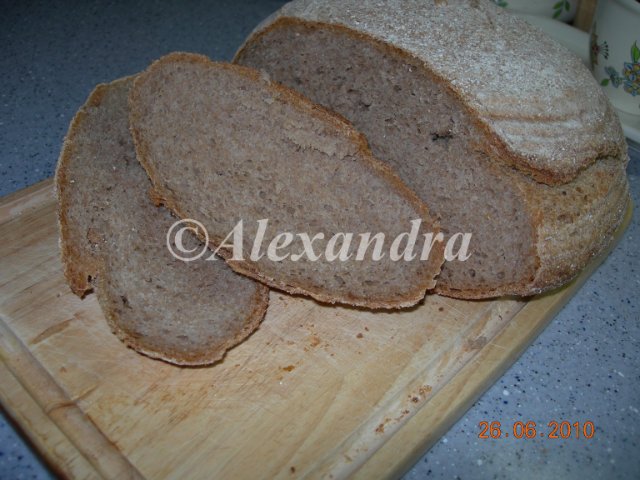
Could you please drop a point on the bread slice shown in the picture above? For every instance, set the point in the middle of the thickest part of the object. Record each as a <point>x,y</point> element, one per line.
<point>223,144</point>
<point>113,241</point>
<point>501,131</point>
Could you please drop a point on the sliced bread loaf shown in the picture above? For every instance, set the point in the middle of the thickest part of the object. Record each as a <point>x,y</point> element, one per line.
<point>501,131</point>
<point>223,144</point>
<point>113,241</point>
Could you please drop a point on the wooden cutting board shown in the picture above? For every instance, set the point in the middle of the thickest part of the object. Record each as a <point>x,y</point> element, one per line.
<point>316,392</point>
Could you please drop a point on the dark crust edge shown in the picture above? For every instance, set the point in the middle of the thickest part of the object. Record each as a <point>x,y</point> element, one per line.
<point>77,269</point>
<point>495,146</point>
<point>436,259</point>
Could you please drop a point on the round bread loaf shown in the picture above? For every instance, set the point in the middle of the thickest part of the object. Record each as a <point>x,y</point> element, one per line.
<point>499,130</point>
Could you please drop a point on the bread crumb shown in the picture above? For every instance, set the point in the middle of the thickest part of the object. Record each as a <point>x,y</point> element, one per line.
<point>424,390</point>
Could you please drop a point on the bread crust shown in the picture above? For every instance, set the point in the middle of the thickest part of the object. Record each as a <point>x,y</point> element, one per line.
<point>414,293</point>
<point>536,181</point>
<point>85,272</point>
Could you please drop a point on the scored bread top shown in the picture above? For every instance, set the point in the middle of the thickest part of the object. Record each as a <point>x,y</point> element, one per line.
<point>113,241</point>
<point>539,105</point>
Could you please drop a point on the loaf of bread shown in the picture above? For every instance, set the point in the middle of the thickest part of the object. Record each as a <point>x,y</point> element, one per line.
<point>223,144</point>
<point>499,130</point>
<point>113,241</point>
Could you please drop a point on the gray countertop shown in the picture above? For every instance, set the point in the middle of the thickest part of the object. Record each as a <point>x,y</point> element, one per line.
<point>584,367</point>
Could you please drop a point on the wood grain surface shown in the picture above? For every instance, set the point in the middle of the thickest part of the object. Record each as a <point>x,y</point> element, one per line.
<point>316,392</point>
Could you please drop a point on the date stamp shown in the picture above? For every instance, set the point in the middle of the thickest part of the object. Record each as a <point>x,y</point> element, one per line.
<point>553,430</point>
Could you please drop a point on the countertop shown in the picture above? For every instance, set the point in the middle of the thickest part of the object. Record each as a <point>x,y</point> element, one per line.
<point>584,367</point>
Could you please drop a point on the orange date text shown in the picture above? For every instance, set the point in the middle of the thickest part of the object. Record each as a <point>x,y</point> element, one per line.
<point>553,430</point>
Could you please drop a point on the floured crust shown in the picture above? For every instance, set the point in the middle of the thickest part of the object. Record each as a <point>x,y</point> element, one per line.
<point>541,109</point>
<point>85,271</point>
<point>413,294</point>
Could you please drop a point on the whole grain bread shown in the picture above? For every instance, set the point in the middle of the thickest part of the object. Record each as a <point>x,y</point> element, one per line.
<point>221,143</point>
<point>113,241</point>
<point>500,130</point>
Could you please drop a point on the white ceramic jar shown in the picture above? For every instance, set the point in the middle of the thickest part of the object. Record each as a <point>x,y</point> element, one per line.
<point>563,10</point>
<point>615,52</point>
